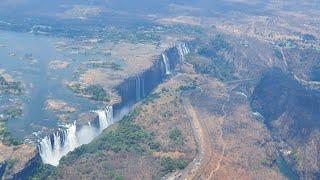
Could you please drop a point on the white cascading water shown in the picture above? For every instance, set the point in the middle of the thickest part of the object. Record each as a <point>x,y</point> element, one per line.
<point>142,87</point>
<point>63,142</point>
<point>138,88</point>
<point>166,63</point>
<point>183,50</point>
<point>53,148</point>
<point>105,117</point>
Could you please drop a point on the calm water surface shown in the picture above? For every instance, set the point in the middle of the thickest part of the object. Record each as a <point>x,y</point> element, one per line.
<point>41,83</point>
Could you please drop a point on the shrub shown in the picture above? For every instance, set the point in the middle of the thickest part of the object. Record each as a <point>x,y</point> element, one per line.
<point>97,93</point>
<point>10,87</point>
<point>266,162</point>
<point>13,112</point>
<point>176,136</point>
<point>170,165</point>
<point>119,178</point>
<point>43,171</point>
<point>154,145</point>
<point>208,59</point>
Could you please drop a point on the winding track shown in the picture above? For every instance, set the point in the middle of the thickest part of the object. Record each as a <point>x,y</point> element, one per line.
<point>221,139</point>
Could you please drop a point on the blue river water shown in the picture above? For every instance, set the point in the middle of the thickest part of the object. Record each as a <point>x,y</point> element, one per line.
<point>41,82</point>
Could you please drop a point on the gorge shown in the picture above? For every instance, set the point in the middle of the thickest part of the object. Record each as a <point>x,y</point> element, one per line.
<point>54,146</point>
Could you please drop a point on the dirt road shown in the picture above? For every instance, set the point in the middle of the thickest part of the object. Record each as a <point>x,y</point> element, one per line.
<point>205,164</point>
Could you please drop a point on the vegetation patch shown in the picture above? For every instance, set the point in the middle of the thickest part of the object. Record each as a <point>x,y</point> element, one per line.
<point>97,93</point>
<point>43,171</point>
<point>176,136</point>
<point>5,135</point>
<point>210,58</point>
<point>104,64</point>
<point>94,92</point>
<point>7,138</point>
<point>267,162</point>
<point>10,87</point>
<point>190,86</point>
<point>170,165</point>
<point>12,112</point>
<point>151,98</point>
<point>126,137</point>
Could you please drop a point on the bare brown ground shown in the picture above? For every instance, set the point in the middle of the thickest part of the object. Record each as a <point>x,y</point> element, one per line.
<point>228,141</point>
<point>207,162</point>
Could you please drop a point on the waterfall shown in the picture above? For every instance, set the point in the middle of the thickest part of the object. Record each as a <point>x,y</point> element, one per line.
<point>183,50</point>
<point>166,63</point>
<point>142,87</point>
<point>105,117</point>
<point>138,88</point>
<point>53,147</point>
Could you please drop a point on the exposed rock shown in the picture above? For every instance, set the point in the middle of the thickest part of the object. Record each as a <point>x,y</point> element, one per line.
<point>59,106</point>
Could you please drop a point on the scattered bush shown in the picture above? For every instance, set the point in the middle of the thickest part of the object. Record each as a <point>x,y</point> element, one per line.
<point>97,93</point>
<point>119,178</point>
<point>10,87</point>
<point>12,112</point>
<point>154,145</point>
<point>43,171</point>
<point>308,37</point>
<point>266,162</point>
<point>218,43</point>
<point>76,88</point>
<point>152,98</point>
<point>176,136</point>
<point>170,165</point>
<point>11,163</point>
<point>208,59</point>
<point>190,86</point>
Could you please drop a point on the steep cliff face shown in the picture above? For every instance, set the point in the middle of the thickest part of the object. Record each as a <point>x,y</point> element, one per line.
<point>135,88</point>
<point>29,168</point>
<point>291,112</point>
<point>2,168</point>
<point>138,87</point>
<point>21,167</point>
